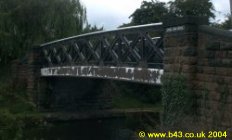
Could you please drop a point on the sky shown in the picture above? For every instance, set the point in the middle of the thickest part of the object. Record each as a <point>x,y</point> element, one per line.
<point>112,13</point>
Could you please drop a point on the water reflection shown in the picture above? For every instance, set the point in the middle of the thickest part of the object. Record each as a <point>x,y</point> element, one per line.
<point>95,129</point>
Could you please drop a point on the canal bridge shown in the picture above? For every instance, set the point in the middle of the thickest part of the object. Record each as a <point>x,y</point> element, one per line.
<point>181,46</point>
<point>132,54</point>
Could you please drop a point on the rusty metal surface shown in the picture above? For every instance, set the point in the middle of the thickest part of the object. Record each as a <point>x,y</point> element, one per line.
<point>141,75</point>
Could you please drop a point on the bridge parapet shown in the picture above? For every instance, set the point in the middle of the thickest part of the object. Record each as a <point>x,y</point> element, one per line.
<point>132,46</point>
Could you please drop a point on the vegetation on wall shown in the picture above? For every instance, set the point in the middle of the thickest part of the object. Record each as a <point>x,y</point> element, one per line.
<point>176,100</point>
<point>220,110</point>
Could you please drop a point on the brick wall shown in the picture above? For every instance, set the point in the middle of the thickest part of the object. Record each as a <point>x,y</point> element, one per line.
<point>22,75</point>
<point>26,74</point>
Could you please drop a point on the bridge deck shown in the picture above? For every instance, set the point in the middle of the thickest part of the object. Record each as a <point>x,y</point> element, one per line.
<point>141,75</point>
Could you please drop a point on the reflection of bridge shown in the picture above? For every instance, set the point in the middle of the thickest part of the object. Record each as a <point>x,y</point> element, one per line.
<point>131,54</point>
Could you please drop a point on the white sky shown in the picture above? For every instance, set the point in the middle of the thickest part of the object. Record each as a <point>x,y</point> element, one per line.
<point>112,13</point>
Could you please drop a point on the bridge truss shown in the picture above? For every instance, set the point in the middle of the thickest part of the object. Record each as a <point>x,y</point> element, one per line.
<point>132,46</point>
<point>139,48</point>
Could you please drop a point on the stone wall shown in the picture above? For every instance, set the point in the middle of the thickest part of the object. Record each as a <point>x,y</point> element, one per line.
<point>204,56</point>
<point>214,76</point>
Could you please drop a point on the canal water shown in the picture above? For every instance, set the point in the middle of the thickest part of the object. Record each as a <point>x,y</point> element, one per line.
<point>93,129</point>
<point>74,96</point>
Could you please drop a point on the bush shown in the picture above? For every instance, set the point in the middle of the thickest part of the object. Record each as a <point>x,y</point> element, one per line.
<point>10,127</point>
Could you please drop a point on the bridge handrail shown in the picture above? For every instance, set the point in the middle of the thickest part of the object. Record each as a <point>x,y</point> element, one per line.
<point>154,26</point>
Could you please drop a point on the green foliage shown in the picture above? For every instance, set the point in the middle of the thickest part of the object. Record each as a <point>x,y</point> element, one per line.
<point>155,11</point>
<point>29,22</point>
<point>175,99</point>
<point>202,8</point>
<point>149,12</point>
<point>90,28</point>
<point>16,103</point>
<point>220,112</point>
<point>13,101</point>
<point>126,25</point>
<point>227,24</point>
<point>13,98</point>
<point>10,127</point>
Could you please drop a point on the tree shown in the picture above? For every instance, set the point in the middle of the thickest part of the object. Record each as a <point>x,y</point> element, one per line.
<point>28,22</point>
<point>227,24</point>
<point>89,28</point>
<point>155,11</point>
<point>149,12</point>
<point>181,8</point>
